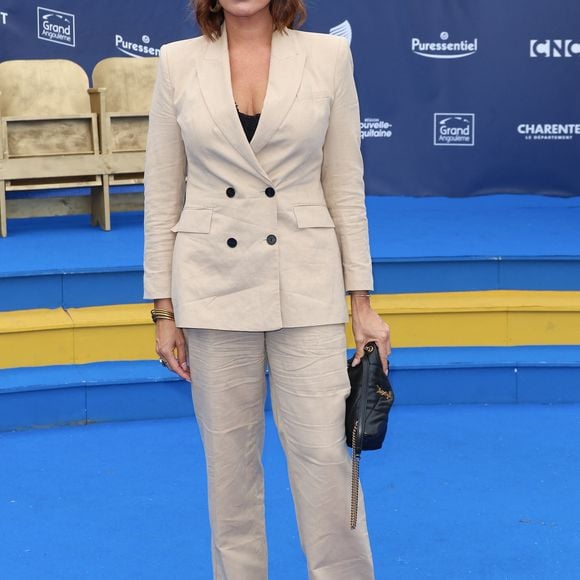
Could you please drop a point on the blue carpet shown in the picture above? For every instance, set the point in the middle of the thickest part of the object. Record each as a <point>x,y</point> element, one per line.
<point>439,244</point>
<point>55,245</point>
<point>488,225</point>
<point>39,397</point>
<point>459,491</point>
<point>400,227</point>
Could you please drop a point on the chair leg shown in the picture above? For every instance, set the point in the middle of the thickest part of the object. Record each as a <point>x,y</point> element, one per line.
<point>100,205</point>
<point>3,220</point>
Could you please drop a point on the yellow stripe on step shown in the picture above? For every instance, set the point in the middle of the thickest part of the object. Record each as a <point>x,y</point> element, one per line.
<point>35,338</point>
<point>479,318</point>
<point>125,331</point>
<point>79,335</point>
<point>118,332</point>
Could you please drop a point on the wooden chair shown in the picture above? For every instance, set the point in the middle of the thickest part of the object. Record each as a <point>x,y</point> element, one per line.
<point>123,87</point>
<point>49,140</point>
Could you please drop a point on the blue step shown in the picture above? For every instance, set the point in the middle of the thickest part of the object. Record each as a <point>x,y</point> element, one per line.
<point>120,391</point>
<point>502,241</point>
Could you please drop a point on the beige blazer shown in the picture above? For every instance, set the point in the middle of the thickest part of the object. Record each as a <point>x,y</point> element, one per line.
<point>264,234</point>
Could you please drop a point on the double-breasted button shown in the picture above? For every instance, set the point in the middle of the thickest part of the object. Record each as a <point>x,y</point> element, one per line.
<point>271,239</point>
<point>232,242</point>
<point>230,192</point>
<point>270,191</point>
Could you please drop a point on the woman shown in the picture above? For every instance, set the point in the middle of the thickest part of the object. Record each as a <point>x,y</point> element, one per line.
<point>255,227</point>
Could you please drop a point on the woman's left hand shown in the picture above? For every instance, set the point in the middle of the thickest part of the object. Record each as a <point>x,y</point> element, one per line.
<point>367,325</point>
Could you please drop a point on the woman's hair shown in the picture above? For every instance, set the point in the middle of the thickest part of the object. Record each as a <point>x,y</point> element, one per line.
<point>284,14</point>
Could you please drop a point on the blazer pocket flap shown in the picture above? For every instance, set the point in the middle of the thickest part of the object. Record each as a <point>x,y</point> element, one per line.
<point>312,216</point>
<point>196,220</point>
<point>306,94</point>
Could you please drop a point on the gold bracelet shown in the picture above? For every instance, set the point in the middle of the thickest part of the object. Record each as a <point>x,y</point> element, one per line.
<point>158,314</point>
<point>161,311</point>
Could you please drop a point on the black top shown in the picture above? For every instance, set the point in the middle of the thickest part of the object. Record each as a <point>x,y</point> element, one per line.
<point>249,122</point>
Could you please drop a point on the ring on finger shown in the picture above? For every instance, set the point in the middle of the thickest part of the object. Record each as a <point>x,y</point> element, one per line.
<point>163,362</point>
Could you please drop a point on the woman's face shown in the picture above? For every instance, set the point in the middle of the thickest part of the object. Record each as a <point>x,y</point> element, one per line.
<point>244,7</point>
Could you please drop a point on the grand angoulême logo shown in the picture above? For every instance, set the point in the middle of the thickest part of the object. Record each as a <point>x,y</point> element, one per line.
<point>56,26</point>
<point>554,48</point>
<point>445,48</point>
<point>343,29</point>
<point>454,129</point>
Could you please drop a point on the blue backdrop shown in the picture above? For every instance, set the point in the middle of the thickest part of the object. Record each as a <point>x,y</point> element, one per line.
<point>458,97</point>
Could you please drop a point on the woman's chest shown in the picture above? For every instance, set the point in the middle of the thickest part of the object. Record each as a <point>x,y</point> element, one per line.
<point>206,112</point>
<point>249,72</point>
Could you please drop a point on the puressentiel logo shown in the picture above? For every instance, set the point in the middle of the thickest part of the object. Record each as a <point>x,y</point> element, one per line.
<point>136,49</point>
<point>56,26</point>
<point>549,131</point>
<point>343,29</point>
<point>554,48</point>
<point>373,128</point>
<point>444,48</point>
<point>454,129</point>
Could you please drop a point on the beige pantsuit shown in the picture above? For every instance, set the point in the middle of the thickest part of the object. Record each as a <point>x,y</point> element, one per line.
<point>256,244</point>
<point>309,385</point>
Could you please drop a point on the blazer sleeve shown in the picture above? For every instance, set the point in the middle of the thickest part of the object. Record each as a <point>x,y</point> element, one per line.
<point>342,175</point>
<point>165,173</point>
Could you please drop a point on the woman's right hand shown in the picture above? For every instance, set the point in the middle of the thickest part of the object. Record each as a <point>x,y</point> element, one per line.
<point>168,339</point>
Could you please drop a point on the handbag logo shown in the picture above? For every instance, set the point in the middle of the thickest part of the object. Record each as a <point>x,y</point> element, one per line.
<point>387,394</point>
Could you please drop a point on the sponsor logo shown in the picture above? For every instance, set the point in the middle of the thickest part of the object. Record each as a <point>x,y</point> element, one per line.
<point>372,128</point>
<point>343,29</point>
<point>554,48</point>
<point>454,129</point>
<point>3,17</point>
<point>444,48</point>
<point>136,49</point>
<point>56,26</point>
<point>549,131</point>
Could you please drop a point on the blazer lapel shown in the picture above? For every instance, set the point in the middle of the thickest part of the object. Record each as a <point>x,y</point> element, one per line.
<point>284,78</point>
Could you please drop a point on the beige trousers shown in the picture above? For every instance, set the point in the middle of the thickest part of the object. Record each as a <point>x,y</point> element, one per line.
<point>309,384</point>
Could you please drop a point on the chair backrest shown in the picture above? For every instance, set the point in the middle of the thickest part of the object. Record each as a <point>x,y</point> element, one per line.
<point>43,88</point>
<point>129,83</point>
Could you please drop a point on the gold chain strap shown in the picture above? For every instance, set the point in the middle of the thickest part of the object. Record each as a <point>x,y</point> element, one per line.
<point>354,483</point>
<point>356,457</point>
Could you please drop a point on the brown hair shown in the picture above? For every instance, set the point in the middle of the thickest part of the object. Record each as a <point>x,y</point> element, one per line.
<point>284,14</point>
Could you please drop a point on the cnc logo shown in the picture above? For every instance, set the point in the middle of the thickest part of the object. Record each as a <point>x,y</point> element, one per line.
<point>3,17</point>
<point>454,129</point>
<point>554,48</point>
<point>549,131</point>
<point>136,49</point>
<point>372,128</point>
<point>56,26</point>
<point>444,48</point>
<point>343,29</point>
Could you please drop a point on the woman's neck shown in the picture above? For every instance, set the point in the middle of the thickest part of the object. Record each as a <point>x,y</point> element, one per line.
<point>249,30</point>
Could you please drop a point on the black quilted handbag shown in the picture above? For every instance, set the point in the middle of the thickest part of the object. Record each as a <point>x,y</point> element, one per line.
<point>367,411</point>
